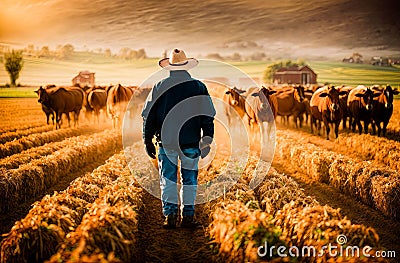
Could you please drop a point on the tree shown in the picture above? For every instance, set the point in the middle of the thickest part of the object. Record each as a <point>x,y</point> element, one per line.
<point>44,52</point>
<point>13,62</point>
<point>65,51</point>
<point>107,53</point>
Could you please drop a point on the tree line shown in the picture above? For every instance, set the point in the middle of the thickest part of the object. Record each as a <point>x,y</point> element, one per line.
<point>67,51</point>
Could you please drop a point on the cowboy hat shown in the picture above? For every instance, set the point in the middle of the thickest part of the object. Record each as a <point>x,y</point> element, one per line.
<point>178,61</point>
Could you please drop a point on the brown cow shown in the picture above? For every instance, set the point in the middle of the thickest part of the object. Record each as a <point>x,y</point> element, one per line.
<point>137,101</point>
<point>117,100</point>
<point>97,100</point>
<point>359,104</point>
<point>62,100</point>
<point>261,106</point>
<point>343,106</point>
<point>325,107</point>
<point>234,105</point>
<point>291,103</point>
<point>383,108</point>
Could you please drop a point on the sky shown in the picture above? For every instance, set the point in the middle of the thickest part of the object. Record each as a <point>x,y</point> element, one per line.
<point>297,28</point>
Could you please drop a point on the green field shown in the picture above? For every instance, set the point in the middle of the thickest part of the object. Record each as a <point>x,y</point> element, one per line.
<point>108,71</point>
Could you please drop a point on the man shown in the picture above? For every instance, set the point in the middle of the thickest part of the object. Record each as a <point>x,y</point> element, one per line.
<point>179,113</point>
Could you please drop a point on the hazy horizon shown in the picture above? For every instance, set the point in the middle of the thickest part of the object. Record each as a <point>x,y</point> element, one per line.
<point>287,28</point>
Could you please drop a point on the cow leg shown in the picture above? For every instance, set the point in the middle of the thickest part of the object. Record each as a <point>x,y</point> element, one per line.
<point>337,129</point>
<point>353,126</point>
<point>69,120</point>
<point>301,120</point>
<point>312,122</point>
<point>76,124</point>
<point>384,128</point>
<point>328,129</point>
<point>359,126</point>
<point>373,128</point>
<point>58,120</point>
<point>366,124</point>
<point>319,127</point>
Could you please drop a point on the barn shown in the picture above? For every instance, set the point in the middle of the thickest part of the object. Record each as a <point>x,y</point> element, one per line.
<point>295,75</point>
<point>84,78</point>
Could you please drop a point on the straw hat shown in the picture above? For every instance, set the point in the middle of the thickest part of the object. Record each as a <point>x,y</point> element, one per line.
<point>178,61</point>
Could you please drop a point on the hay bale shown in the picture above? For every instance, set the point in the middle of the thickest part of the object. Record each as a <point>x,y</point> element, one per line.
<point>364,183</point>
<point>277,190</point>
<point>344,173</point>
<point>386,193</point>
<point>319,225</point>
<point>318,165</point>
<point>238,231</point>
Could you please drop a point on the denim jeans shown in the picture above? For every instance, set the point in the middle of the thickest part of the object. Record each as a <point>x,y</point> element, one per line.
<point>168,169</point>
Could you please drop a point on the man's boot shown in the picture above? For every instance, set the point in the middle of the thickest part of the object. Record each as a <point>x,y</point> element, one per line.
<point>189,222</point>
<point>170,221</point>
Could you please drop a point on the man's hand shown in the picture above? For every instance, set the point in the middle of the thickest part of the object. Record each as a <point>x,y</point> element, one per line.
<point>205,146</point>
<point>150,149</point>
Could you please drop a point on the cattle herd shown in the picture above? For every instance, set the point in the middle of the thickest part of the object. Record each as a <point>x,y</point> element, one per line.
<point>113,99</point>
<point>354,107</point>
<point>327,105</point>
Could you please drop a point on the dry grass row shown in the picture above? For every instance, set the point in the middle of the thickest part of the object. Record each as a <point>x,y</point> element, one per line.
<point>287,217</point>
<point>38,236</point>
<point>380,149</point>
<point>13,135</point>
<point>109,227</point>
<point>35,140</point>
<point>304,222</point>
<point>32,179</point>
<point>15,160</point>
<point>21,126</point>
<point>376,186</point>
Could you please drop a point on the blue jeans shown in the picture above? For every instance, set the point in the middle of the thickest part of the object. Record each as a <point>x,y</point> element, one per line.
<point>168,169</point>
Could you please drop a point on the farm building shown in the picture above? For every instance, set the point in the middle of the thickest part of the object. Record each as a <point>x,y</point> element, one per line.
<point>295,75</point>
<point>84,78</point>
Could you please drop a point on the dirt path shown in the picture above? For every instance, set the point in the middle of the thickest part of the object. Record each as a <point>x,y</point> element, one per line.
<point>177,245</point>
<point>8,220</point>
<point>358,213</point>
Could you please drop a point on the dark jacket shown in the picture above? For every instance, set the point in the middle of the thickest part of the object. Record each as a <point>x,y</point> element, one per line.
<point>177,111</point>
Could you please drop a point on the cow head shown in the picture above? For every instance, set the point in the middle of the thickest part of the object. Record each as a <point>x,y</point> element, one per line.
<point>367,98</point>
<point>299,93</point>
<point>234,95</point>
<point>333,96</point>
<point>264,94</point>
<point>43,96</point>
<point>388,96</point>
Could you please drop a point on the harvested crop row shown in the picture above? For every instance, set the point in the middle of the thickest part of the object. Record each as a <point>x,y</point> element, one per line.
<point>21,126</point>
<point>237,225</point>
<point>306,223</point>
<point>238,230</point>
<point>379,149</point>
<point>109,227</point>
<point>9,136</point>
<point>35,140</point>
<point>15,160</point>
<point>376,186</point>
<point>52,218</point>
<point>31,180</point>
